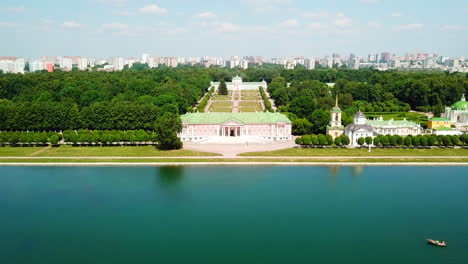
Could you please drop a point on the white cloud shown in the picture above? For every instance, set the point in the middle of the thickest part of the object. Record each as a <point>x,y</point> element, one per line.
<point>227,27</point>
<point>206,15</point>
<point>342,21</point>
<point>317,26</point>
<point>408,27</point>
<point>374,25</point>
<point>71,24</point>
<point>396,14</point>
<point>153,10</point>
<point>316,15</point>
<point>290,23</point>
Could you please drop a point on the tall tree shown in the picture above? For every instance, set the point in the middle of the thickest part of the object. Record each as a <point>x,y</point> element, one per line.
<point>222,89</point>
<point>167,127</point>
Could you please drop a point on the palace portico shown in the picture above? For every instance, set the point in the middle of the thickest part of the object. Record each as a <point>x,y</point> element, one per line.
<point>269,126</point>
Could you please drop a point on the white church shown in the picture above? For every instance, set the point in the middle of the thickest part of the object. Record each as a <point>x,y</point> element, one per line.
<point>238,84</point>
<point>364,127</point>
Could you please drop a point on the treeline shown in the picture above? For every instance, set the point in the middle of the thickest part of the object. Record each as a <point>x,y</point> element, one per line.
<point>386,140</point>
<point>29,138</point>
<point>134,98</point>
<point>81,137</point>
<point>123,100</point>
<point>266,100</point>
<point>204,101</point>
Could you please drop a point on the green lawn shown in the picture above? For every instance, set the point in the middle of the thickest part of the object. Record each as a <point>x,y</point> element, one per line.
<point>214,161</point>
<point>118,151</point>
<point>17,152</point>
<point>249,103</point>
<point>221,97</point>
<point>298,152</point>
<point>221,110</point>
<point>221,106</point>
<point>250,97</point>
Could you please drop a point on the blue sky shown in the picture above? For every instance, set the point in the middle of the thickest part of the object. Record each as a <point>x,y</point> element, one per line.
<point>105,28</point>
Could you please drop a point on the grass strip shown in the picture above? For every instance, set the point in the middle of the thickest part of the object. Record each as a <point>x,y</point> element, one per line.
<point>300,152</point>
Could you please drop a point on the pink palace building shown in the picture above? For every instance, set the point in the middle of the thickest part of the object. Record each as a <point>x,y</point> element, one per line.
<point>264,125</point>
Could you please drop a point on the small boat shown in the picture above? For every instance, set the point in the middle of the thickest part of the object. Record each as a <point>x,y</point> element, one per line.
<point>437,243</point>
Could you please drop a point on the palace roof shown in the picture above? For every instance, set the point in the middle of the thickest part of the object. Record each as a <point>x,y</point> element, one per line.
<point>461,105</point>
<point>392,123</point>
<point>439,119</point>
<point>243,118</point>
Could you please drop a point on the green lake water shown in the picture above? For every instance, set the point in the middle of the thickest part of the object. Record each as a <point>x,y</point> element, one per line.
<point>264,214</point>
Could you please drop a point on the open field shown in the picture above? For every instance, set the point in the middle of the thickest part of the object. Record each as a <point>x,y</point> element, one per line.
<point>300,152</point>
<point>117,151</point>
<point>18,152</point>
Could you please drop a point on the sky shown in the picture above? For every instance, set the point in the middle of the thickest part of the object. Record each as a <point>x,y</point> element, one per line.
<point>218,28</point>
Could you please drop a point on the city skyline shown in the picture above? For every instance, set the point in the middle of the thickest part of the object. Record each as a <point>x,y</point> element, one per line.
<point>269,28</point>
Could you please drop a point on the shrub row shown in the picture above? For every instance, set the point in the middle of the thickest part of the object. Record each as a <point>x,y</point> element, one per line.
<point>322,140</point>
<point>83,137</point>
<point>204,101</point>
<point>266,101</point>
<point>29,138</point>
<point>416,141</point>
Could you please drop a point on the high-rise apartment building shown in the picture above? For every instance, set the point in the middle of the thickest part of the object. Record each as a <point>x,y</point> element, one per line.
<point>36,65</point>
<point>309,63</point>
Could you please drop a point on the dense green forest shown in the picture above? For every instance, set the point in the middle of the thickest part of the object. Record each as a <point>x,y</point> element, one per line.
<point>136,98</point>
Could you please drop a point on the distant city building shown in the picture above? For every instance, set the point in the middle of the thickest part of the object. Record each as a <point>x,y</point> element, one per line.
<point>244,64</point>
<point>36,65</point>
<point>82,64</point>
<point>118,63</point>
<point>145,58</point>
<point>12,65</point>
<point>354,63</point>
<point>327,63</point>
<point>309,63</point>
<point>49,66</point>
<point>65,63</point>
<point>385,57</point>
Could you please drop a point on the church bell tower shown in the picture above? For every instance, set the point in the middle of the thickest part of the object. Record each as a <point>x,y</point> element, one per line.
<point>335,129</point>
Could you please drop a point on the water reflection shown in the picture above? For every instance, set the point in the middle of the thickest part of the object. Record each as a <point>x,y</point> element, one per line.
<point>357,170</point>
<point>170,177</point>
<point>335,173</point>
